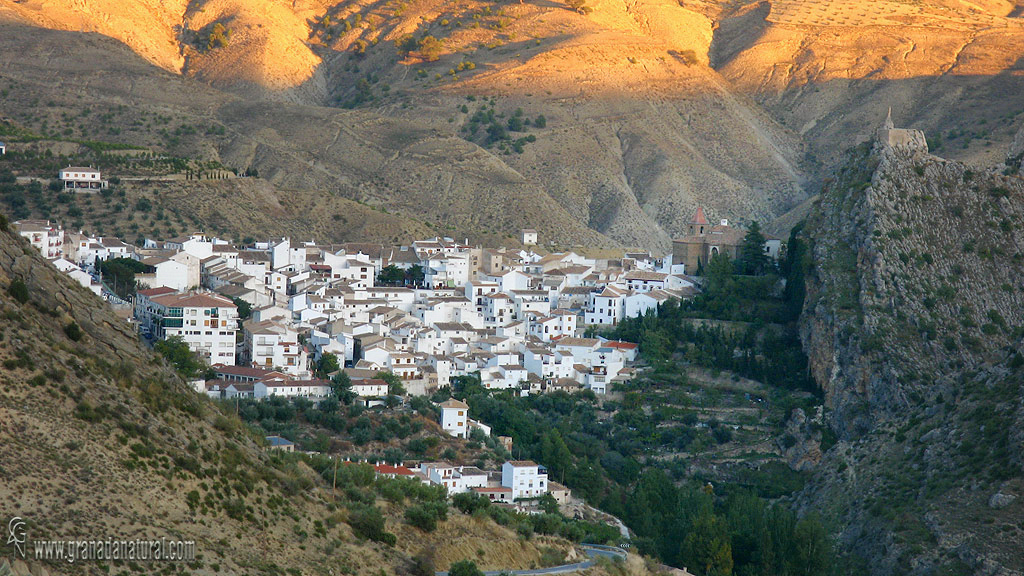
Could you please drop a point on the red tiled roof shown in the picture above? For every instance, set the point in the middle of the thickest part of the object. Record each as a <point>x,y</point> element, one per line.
<point>699,217</point>
<point>396,470</point>
<point>620,344</point>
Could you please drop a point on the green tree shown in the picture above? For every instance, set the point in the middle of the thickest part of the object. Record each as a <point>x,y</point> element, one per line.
<point>753,259</point>
<point>391,275</point>
<point>813,551</point>
<point>415,274</point>
<point>120,274</point>
<point>342,386</point>
<point>244,308</point>
<point>464,568</point>
<point>556,455</point>
<point>707,546</point>
<point>176,351</point>
<point>719,273</point>
<point>327,364</point>
<point>395,387</point>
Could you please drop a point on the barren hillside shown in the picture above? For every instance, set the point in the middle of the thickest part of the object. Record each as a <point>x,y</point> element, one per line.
<point>649,107</point>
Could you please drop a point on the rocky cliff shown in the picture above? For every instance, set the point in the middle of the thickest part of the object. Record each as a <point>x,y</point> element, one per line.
<point>913,324</point>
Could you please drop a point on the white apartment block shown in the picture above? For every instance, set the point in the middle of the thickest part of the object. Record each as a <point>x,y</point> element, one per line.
<point>43,236</point>
<point>206,322</point>
<point>526,478</point>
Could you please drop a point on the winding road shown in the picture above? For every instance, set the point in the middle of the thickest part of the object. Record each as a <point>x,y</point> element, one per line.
<point>593,550</point>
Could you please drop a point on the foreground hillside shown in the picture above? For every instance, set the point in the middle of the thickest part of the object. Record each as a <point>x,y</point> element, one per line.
<point>99,439</point>
<point>913,325</point>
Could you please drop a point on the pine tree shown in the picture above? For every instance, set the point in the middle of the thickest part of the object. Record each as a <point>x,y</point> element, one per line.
<point>754,260</point>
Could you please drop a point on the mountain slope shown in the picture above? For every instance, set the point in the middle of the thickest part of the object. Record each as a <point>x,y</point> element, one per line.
<point>639,129</point>
<point>827,70</point>
<point>913,327</point>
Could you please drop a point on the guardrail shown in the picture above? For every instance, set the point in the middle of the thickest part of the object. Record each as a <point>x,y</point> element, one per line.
<point>592,550</point>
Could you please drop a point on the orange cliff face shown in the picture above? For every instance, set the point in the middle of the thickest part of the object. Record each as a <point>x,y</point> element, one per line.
<point>761,47</point>
<point>146,26</point>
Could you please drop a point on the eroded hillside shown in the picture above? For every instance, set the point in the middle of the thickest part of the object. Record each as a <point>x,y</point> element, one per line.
<point>827,70</point>
<point>636,131</point>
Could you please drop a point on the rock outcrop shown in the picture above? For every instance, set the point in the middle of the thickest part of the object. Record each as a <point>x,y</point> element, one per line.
<point>913,325</point>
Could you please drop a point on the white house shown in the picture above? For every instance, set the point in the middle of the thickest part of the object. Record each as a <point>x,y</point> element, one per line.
<point>446,271</point>
<point>274,345</point>
<point>77,177</point>
<point>526,478</point>
<point>79,275</point>
<point>529,237</point>
<point>314,388</point>
<point>607,307</point>
<point>43,236</point>
<point>454,417</point>
<point>166,272</point>
<point>370,388</point>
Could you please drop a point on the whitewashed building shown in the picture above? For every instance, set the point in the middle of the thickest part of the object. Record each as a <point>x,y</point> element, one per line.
<point>206,322</point>
<point>526,478</point>
<point>79,178</point>
<point>454,417</point>
<point>43,236</point>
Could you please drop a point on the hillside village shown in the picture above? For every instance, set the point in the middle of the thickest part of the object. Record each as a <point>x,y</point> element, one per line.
<point>265,317</point>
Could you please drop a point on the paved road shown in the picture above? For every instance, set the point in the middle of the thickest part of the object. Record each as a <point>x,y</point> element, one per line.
<point>592,550</point>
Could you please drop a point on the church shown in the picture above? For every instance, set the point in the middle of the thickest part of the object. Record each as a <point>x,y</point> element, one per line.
<point>704,240</point>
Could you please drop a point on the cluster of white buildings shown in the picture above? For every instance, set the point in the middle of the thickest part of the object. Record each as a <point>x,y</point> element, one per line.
<point>514,318</point>
<point>517,480</point>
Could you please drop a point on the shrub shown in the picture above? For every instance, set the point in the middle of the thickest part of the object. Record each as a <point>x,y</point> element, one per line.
<point>368,522</point>
<point>218,37</point>
<point>430,48</point>
<point>464,568</point>
<point>470,502</point>
<point>422,516</point>
<point>18,290</point>
<point>72,331</point>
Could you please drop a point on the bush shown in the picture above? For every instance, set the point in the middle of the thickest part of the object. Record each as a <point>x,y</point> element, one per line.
<point>430,48</point>
<point>425,516</point>
<point>470,502</point>
<point>368,522</point>
<point>73,332</point>
<point>464,568</point>
<point>218,37</point>
<point>18,290</point>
